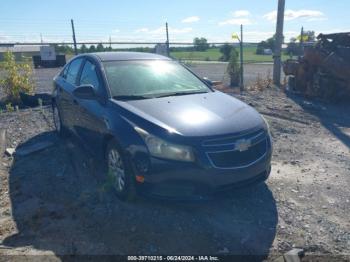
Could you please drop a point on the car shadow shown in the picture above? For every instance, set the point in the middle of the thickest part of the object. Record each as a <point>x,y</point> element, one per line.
<point>333,116</point>
<point>59,203</point>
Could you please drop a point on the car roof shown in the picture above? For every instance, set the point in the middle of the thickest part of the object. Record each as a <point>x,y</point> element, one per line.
<point>125,56</point>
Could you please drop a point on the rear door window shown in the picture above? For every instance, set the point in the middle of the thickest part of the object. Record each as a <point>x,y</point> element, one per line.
<point>73,71</point>
<point>64,71</point>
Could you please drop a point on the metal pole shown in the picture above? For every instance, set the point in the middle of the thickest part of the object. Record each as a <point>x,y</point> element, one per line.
<point>302,41</point>
<point>241,57</point>
<point>74,40</point>
<point>278,46</point>
<point>167,39</point>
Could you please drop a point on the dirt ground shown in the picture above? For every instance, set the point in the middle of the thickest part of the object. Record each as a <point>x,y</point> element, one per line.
<point>54,201</point>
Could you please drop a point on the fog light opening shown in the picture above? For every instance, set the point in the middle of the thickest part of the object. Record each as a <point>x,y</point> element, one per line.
<point>140,179</point>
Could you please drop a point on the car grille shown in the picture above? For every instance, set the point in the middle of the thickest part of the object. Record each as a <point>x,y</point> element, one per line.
<point>223,152</point>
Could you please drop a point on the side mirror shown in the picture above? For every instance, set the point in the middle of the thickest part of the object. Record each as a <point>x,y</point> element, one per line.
<point>207,81</point>
<point>85,92</point>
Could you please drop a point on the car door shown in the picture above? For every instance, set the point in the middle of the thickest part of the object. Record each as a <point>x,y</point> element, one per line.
<point>65,87</point>
<point>91,124</point>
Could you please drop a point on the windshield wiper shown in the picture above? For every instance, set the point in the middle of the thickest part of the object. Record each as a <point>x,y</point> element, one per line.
<point>131,97</point>
<point>181,93</point>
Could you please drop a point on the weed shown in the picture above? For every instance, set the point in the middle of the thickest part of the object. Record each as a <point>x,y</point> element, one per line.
<point>40,102</point>
<point>108,184</point>
<point>262,83</point>
<point>9,107</point>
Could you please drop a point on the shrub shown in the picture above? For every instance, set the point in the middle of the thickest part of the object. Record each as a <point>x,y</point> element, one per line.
<point>226,50</point>
<point>233,68</point>
<point>9,107</point>
<point>17,78</point>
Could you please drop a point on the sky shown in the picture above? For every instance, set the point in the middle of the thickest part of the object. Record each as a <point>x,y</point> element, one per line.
<point>33,20</point>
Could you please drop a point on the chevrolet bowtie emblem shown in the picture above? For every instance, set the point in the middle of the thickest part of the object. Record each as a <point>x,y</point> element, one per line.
<point>242,145</point>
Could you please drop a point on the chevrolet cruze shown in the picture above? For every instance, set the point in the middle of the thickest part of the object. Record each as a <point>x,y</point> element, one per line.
<point>158,128</point>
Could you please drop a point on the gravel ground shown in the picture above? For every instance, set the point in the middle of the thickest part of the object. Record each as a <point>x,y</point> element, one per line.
<point>54,202</point>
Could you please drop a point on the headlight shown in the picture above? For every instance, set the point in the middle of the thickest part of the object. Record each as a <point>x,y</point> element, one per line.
<point>160,148</point>
<point>267,126</point>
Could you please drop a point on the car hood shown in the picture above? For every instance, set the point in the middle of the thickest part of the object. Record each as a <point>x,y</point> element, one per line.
<point>208,114</point>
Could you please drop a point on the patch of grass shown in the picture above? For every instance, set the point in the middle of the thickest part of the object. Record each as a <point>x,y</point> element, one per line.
<point>213,54</point>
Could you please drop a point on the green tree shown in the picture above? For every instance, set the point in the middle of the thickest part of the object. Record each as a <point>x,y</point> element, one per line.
<point>83,49</point>
<point>92,49</point>
<point>226,50</point>
<point>309,36</point>
<point>200,44</point>
<point>65,49</point>
<point>268,44</point>
<point>293,48</point>
<point>100,48</point>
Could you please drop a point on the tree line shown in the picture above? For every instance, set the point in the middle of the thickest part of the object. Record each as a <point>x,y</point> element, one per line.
<point>293,47</point>
<point>66,49</point>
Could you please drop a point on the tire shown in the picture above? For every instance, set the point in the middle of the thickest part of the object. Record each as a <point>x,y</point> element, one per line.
<point>119,173</point>
<point>57,120</point>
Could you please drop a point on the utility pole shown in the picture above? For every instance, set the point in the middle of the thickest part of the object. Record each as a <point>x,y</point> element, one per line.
<point>241,58</point>
<point>302,41</point>
<point>167,39</point>
<point>110,43</point>
<point>41,38</point>
<point>74,40</point>
<point>278,46</point>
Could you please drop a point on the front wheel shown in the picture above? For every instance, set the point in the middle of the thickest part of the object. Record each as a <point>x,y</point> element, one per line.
<point>60,128</point>
<point>119,173</point>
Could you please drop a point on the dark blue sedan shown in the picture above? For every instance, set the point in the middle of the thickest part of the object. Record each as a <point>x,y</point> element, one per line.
<point>159,128</point>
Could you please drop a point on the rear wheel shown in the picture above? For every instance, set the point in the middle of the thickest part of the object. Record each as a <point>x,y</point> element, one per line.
<point>119,174</point>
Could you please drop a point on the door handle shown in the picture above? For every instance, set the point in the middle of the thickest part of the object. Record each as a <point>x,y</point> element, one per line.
<point>106,122</point>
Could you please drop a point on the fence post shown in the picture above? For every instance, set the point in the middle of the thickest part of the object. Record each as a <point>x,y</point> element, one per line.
<point>167,39</point>
<point>74,40</point>
<point>278,46</point>
<point>241,58</point>
<point>302,41</point>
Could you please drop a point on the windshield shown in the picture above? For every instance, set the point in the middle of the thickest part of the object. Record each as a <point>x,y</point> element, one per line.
<point>151,78</point>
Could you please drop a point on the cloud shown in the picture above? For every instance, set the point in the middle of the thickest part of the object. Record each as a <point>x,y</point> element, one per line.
<point>317,19</point>
<point>240,17</point>
<point>180,30</point>
<point>116,30</point>
<point>236,21</point>
<point>161,30</point>
<point>4,37</point>
<point>241,13</point>
<point>295,14</point>
<point>142,30</point>
<point>190,19</point>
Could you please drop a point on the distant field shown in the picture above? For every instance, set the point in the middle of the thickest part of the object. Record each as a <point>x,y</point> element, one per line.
<point>213,54</point>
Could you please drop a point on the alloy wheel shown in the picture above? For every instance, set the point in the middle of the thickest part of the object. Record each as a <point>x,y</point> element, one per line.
<point>116,170</point>
<point>56,119</point>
